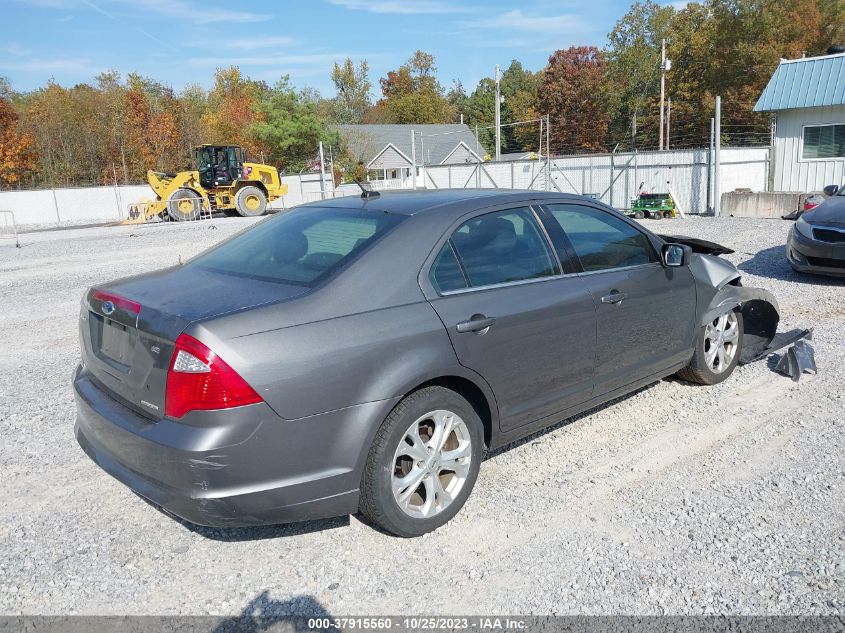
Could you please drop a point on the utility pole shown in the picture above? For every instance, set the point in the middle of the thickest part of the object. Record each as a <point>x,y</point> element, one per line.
<point>634,132</point>
<point>717,161</point>
<point>548,153</point>
<point>477,142</point>
<point>322,173</point>
<point>668,120</point>
<point>710,165</point>
<point>498,152</point>
<point>665,65</point>
<point>414,159</point>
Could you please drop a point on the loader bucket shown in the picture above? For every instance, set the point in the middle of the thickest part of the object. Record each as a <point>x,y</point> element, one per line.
<point>143,211</point>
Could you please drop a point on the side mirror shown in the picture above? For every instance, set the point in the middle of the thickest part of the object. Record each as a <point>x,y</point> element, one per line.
<point>830,190</point>
<point>675,255</point>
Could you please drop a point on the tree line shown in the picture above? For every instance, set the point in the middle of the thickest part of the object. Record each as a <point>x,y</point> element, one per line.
<point>597,99</point>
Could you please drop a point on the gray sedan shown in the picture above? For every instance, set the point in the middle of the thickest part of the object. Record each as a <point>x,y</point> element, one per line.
<point>360,354</point>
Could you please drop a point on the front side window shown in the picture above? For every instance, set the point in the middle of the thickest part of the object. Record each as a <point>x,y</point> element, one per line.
<point>601,240</point>
<point>298,248</point>
<point>824,141</point>
<point>503,247</point>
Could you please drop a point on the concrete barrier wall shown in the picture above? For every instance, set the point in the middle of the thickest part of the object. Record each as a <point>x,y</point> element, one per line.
<point>71,206</point>
<point>759,204</point>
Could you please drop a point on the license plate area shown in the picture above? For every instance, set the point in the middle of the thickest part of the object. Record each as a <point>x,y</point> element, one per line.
<point>113,342</point>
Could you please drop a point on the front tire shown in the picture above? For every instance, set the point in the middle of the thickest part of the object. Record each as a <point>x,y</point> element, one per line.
<point>184,205</point>
<point>250,202</point>
<point>717,349</point>
<point>423,463</point>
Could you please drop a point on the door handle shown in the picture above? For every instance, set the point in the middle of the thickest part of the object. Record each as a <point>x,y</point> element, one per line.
<point>476,323</point>
<point>614,297</point>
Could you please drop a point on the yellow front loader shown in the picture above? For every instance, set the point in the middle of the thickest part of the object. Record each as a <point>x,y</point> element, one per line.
<point>222,181</point>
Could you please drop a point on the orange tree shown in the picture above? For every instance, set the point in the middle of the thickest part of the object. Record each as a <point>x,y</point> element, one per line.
<point>16,154</point>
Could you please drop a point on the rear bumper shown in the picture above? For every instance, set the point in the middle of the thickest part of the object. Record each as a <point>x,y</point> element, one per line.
<point>240,467</point>
<point>811,256</point>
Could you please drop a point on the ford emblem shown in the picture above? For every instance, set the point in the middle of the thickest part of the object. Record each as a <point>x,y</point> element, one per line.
<point>107,307</point>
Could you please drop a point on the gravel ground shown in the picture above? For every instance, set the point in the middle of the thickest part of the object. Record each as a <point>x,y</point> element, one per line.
<point>677,499</point>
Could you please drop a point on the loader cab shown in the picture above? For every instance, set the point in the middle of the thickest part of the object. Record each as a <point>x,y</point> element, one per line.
<point>219,165</point>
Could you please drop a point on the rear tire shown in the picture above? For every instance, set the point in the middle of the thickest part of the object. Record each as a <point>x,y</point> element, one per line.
<point>639,215</point>
<point>184,205</point>
<point>718,346</point>
<point>250,202</point>
<point>423,463</point>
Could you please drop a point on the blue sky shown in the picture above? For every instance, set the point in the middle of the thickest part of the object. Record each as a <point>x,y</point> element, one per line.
<point>181,42</point>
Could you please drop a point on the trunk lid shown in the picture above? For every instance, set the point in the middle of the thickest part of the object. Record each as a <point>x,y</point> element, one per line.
<point>129,351</point>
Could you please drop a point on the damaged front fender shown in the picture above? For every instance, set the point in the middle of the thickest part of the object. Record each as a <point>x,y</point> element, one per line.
<point>760,316</point>
<point>720,290</point>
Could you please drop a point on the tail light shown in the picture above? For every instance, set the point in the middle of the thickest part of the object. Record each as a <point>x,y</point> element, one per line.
<point>198,379</point>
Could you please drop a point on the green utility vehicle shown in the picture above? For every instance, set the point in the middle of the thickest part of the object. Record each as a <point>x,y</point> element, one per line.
<point>653,205</point>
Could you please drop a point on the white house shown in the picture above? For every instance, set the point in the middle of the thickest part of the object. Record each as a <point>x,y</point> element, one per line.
<point>807,97</point>
<point>387,150</point>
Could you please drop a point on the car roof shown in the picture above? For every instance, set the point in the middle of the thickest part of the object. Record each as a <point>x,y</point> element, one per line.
<point>429,200</point>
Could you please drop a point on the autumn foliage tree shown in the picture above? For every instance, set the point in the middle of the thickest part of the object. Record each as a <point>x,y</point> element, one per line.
<point>412,93</point>
<point>16,156</point>
<point>572,94</point>
<point>717,47</point>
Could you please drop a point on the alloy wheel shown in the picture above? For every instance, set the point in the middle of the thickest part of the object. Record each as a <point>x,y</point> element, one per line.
<point>431,463</point>
<point>721,336</point>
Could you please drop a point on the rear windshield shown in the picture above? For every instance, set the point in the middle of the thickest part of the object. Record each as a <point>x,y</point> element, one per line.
<point>301,247</point>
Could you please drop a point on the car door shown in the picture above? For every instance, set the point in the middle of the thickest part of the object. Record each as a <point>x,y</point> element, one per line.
<point>645,312</point>
<point>515,316</point>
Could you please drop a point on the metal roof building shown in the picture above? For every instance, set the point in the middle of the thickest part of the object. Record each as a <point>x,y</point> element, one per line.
<point>807,99</point>
<point>389,151</point>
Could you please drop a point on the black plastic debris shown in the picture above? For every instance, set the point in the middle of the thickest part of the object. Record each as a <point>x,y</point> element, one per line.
<point>780,340</point>
<point>797,361</point>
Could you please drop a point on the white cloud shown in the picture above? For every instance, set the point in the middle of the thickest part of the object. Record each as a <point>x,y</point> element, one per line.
<point>18,50</point>
<point>400,6</point>
<point>36,64</point>
<point>253,43</point>
<point>316,59</point>
<point>48,4</point>
<point>195,13</point>
<point>516,20</point>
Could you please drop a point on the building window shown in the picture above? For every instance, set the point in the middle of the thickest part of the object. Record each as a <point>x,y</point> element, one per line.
<point>824,141</point>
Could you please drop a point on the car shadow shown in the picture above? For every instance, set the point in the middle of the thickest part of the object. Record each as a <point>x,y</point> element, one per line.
<point>254,533</point>
<point>772,264</point>
<point>263,613</point>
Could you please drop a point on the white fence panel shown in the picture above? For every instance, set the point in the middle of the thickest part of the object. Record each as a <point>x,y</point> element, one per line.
<point>613,178</point>
<point>617,179</point>
<point>8,227</point>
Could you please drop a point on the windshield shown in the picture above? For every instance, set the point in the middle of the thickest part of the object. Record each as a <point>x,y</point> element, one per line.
<point>301,247</point>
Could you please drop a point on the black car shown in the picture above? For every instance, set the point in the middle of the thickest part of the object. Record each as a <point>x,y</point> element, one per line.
<point>816,242</point>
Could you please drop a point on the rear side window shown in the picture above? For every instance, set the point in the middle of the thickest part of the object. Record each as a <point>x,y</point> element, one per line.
<point>446,273</point>
<point>301,247</point>
<point>503,247</point>
<point>601,240</point>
